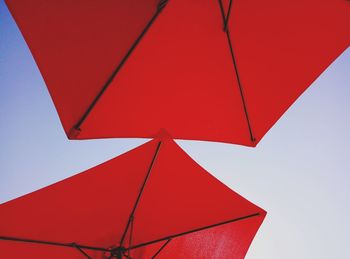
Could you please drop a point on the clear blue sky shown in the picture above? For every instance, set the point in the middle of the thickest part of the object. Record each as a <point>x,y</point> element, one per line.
<point>299,172</point>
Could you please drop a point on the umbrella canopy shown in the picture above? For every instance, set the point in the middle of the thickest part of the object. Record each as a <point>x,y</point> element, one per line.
<point>153,201</point>
<point>216,70</point>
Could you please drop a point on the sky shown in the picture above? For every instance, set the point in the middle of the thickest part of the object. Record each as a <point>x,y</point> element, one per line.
<point>299,172</point>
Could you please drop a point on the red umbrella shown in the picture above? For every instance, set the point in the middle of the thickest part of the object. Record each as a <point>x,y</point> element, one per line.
<point>153,201</point>
<point>217,70</point>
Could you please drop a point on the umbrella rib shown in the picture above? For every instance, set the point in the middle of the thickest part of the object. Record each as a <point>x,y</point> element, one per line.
<point>161,248</point>
<point>161,5</point>
<point>131,231</point>
<point>252,138</point>
<point>131,217</point>
<point>228,15</point>
<point>222,13</point>
<point>42,242</point>
<point>226,30</point>
<point>192,231</point>
<point>81,251</point>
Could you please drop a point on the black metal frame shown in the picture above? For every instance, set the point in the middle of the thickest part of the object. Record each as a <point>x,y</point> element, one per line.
<point>115,252</point>
<point>120,251</point>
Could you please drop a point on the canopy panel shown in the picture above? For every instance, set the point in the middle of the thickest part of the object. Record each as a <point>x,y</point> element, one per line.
<point>222,242</point>
<point>180,78</point>
<point>130,68</point>
<point>157,188</point>
<point>78,45</point>
<point>281,47</point>
<point>88,208</point>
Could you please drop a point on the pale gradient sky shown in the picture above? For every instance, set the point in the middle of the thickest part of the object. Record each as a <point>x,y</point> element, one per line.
<point>299,173</point>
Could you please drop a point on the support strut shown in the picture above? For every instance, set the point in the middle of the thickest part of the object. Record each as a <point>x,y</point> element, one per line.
<point>239,82</point>
<point>77,127</point>
<point>131,217</point>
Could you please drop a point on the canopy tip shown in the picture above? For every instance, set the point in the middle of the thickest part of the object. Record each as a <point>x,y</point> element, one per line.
<point>162,134</point>
<point>73,133</point>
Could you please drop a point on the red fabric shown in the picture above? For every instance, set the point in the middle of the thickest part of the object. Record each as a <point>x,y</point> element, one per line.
<point>181,76</point>
<point>223,242</point>
<point>75,44</point>
<point>92,208</point>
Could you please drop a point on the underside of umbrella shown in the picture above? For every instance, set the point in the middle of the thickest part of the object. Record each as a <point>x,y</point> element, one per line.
<point>216,70</point>
<point>153,201</point>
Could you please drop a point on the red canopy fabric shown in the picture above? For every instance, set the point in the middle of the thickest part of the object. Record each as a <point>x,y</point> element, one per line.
<point>166,193</point>
<point>130,68</point>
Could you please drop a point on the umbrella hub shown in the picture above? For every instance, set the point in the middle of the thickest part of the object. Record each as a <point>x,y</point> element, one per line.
<point>119,253</point>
